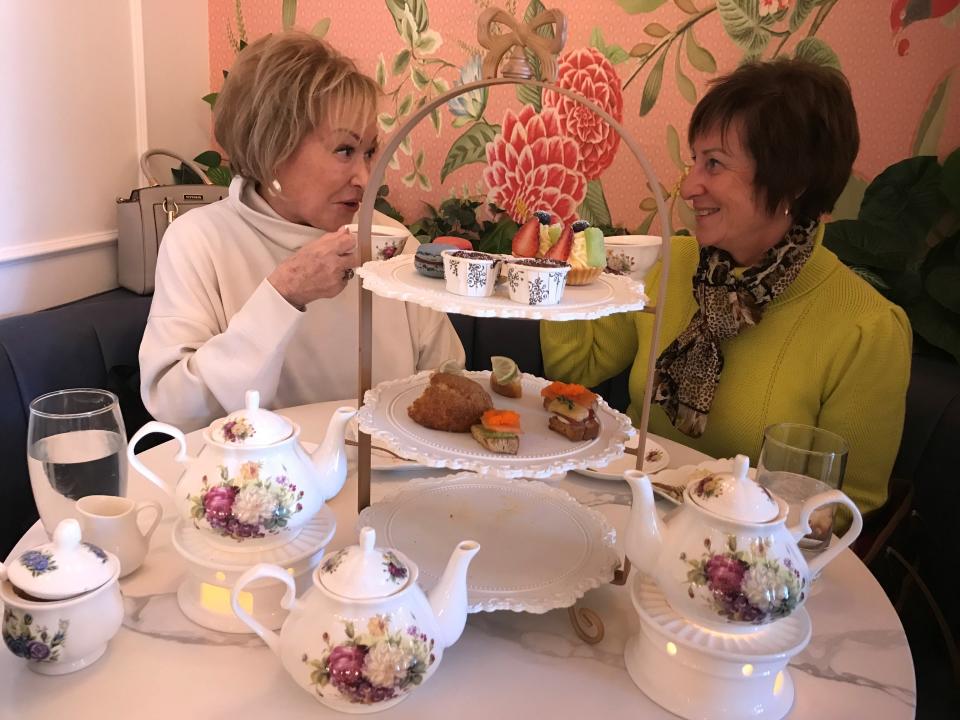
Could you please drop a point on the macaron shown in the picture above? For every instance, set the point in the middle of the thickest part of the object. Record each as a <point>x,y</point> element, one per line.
<point>428,262</point>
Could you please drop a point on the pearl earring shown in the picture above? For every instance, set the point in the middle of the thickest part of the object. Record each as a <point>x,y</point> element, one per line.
<point>275,186</point>
<point>786,210</point>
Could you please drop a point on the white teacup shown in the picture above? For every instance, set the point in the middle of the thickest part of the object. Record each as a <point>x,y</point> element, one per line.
<point>385,241</point>
<point>632,255</point>
<point>111,523</point>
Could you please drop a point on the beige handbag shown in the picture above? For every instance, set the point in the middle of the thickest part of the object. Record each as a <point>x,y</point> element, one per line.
<point>143,218</point>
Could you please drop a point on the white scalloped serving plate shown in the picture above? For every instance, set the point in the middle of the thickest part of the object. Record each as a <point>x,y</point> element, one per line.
<point>542,452</point>
<point>539,548</point>
<point>397,278</point>
<point>657,459</point>
<point>680,477</point>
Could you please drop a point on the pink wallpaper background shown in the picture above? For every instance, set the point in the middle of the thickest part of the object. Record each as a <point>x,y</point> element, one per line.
<point>902,66</point>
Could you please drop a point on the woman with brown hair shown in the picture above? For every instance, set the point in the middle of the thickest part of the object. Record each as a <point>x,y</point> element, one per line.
<point>776,328</point>
<point>250,290</point>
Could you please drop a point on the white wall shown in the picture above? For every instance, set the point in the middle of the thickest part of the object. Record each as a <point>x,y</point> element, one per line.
<point>84,87</point>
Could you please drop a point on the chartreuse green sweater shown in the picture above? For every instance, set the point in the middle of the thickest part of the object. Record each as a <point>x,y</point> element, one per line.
<point>829,351</point>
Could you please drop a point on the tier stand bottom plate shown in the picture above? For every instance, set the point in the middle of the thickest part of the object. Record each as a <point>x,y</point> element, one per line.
<point>699,674</point>
<point>204,594</point>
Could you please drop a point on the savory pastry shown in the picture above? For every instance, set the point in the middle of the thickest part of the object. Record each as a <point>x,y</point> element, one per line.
<point>574,410</point>
<point>498,431</point>
<point>450,402</point>
<point>505,377</point>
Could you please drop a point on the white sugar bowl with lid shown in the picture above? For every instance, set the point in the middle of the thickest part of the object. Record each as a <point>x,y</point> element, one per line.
<point>61,602</point>
<point>365,635</point>
<point>726,559</point>
<point>253,485</point>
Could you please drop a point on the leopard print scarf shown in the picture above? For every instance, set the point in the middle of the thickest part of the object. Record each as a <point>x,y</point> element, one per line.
<point>688,370</point>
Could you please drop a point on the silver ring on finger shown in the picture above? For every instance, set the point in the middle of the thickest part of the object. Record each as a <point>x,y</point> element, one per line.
<point>348,274</point>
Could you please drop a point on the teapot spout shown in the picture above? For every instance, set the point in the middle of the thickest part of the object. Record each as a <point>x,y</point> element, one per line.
<point>644,539</point>
<point>330,459</point>
<point>448,599</point>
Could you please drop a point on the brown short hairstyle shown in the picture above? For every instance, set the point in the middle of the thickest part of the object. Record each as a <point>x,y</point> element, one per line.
<point>280,88</point>
<point>798,123</point>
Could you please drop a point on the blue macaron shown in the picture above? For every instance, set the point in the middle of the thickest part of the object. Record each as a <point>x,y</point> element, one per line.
<point>428,262</point>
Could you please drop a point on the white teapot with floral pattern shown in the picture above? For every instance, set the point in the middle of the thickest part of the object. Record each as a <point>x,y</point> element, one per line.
<point>253,485</point>
<point>726,559</point>
<point>365,635</point>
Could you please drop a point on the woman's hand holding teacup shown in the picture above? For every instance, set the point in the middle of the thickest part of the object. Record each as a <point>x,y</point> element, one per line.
<point>319,269</point>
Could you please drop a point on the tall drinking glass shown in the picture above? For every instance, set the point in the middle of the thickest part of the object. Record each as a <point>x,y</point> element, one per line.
<point>798,462</point>
<point>76,446</point>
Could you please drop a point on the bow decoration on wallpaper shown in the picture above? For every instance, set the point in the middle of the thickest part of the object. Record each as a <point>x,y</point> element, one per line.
<point>521,35</point>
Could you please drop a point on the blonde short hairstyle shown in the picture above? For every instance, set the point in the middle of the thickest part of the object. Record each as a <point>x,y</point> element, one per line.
<point>280,88</point>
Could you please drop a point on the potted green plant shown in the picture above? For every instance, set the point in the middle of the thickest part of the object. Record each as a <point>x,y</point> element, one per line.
<point>905,242</point>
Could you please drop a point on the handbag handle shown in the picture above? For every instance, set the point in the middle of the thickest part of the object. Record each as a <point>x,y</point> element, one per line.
<point>144,165</point>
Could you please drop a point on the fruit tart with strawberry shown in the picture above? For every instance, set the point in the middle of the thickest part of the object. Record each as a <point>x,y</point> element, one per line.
<point>578,244</point>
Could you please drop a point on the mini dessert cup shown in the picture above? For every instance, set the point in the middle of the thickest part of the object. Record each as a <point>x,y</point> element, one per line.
<point>470,273</point>
<point>536,281</point>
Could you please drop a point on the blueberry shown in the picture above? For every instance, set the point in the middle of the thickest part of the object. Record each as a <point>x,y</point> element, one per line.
<point>543,217</point>
<point>580,225</point>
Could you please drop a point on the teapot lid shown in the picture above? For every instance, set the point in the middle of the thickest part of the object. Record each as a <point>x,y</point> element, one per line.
<point>363,572</point>
<point>735,496</point>
<point>253,426</point>
<point>63,568</point>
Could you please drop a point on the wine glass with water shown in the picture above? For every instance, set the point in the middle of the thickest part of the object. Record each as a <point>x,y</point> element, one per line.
<point>76,446</point>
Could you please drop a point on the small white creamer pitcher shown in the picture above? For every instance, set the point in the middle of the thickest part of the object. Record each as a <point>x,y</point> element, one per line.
<point>111,523</point>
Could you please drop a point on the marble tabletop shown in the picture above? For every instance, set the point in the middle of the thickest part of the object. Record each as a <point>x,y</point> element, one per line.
<point>506,665</point>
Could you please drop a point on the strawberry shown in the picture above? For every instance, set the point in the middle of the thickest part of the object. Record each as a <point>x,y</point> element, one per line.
<point>527,240</point>
<point>561,249</point>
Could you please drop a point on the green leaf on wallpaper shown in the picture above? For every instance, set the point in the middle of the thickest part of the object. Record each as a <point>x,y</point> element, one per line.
<point>685,85</point>
<point>641,49</point>
<point>687,217</point>
<point>289,13</point>
<point>741,21</point>
<point>419,77</point>
<point>848,204</point>
<point>418,8</point>
<point>644,227</point>
<point>428,42</point>
<point>530,96</point>
<point>594,208</point>
<point>405,105</point>
<point>651,88</point>
<point>699,56</point>
<point>687,6</point>
<point>673,147</point>
<point>210,99</point>
<point>386,121</point>
<point>927,139</point>
<point>635,7</point>
<point>381,72</point>
<point>400,62</point>
<point>469,148</point>
<point>815,50</point>
<point>614,53</point>
<point>435,119</point>
<point>800,12</point>
<point>648,204</point>
<point>656,30</point>
<point>321,28</point>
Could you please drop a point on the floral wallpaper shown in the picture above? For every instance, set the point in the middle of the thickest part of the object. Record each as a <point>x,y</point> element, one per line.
<point>646,62</point>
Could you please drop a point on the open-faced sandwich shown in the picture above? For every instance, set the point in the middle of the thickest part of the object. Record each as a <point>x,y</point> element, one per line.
<point>574,410</point>
<point>505,377</point>
<point>498,431</point>
<point>450,402</point>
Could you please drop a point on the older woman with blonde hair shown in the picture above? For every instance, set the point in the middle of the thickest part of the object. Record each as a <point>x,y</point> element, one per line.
<point>250,290</point>
<point>762,324</point>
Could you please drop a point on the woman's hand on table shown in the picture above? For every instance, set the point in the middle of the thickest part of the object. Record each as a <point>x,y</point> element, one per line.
<point>319,269</point>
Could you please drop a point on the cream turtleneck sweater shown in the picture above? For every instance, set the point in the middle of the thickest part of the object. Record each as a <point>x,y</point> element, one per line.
<point>217,328</point>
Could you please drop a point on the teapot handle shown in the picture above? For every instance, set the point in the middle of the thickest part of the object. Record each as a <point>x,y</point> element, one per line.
<point>156,427</point>
<point>803,527</point>
<point>263,570</point>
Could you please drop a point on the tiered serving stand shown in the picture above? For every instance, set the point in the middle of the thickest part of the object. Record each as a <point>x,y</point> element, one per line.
<point>397,279</point>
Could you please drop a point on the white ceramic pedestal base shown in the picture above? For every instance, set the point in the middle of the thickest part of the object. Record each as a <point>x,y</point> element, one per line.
<point>699,674</point>
<point>204,594</point>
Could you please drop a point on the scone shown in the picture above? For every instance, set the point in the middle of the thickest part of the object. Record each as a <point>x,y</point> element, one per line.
<point>452,403</point>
